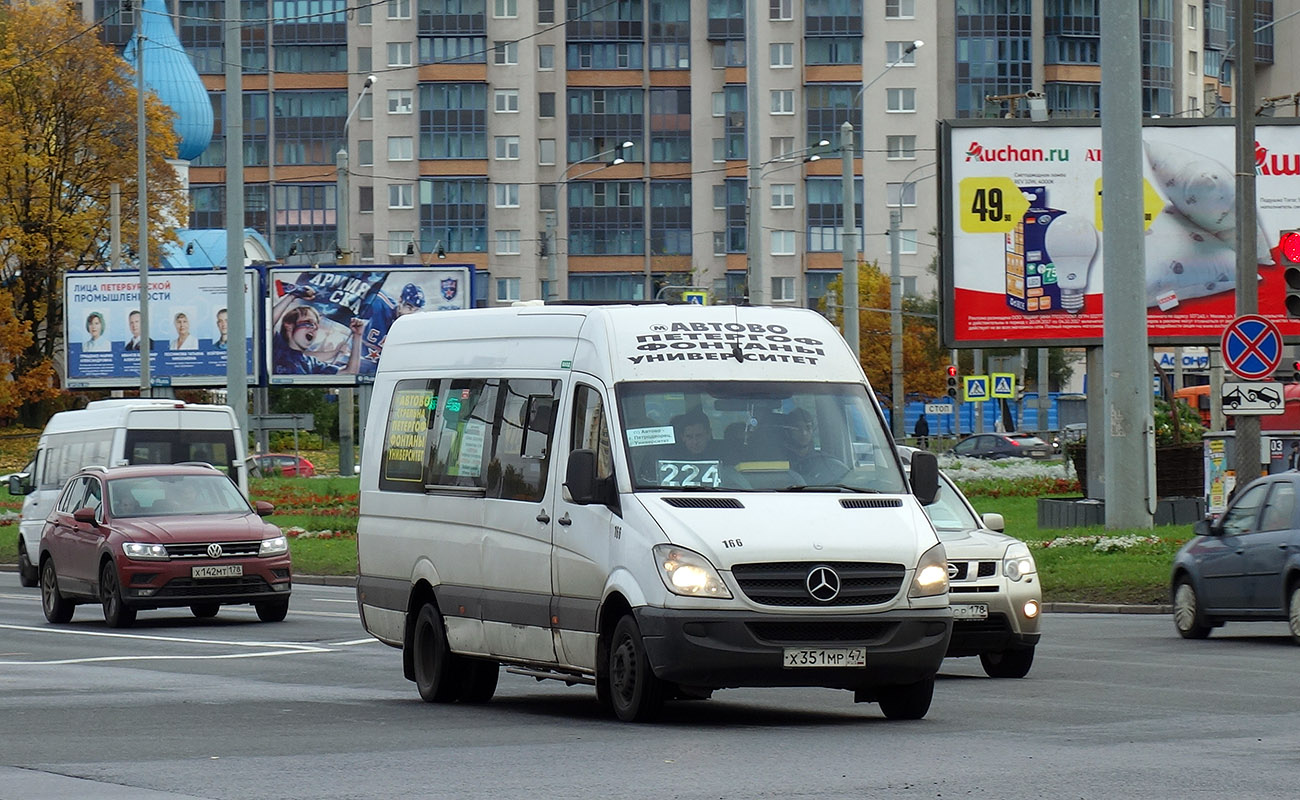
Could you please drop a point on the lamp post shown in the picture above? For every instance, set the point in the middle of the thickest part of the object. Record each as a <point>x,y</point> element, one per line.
<point>753,227</point>
<point>236,318</point>
<point>552,279</point>
<point>896,308</point>
<point>347,395</point>
<point>142,212</point>
<point>848,241</point>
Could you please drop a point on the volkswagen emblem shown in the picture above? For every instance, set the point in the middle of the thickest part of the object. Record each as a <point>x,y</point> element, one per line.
<point>953,571</point>
<point>214,550</point>
<point>823,583</point>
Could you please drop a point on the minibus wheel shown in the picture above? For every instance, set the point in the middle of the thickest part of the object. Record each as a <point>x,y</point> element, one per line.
<point>909,701</point>
<point>634,691</point>
<point>435,666</point>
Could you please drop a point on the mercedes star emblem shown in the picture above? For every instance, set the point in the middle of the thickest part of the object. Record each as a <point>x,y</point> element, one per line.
<point>823,584</point>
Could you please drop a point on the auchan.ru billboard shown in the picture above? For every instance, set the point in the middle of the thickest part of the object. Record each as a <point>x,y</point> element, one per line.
<point>1023,236</point>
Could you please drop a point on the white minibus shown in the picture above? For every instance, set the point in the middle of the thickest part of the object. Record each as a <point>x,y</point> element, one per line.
<point>658,500</point>
<point>115,432</point>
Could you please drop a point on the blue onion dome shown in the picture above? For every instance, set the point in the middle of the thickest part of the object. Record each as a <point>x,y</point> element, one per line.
<point>169,74</point>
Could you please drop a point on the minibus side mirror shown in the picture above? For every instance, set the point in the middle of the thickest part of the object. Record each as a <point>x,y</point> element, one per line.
<point>925,477</point>
<point>21,483</point>
<point>580,477</point>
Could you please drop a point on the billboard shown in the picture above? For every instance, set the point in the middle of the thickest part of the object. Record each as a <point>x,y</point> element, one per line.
<point>328,325</point>
<point>1023,234</point>
<point>187,328</point>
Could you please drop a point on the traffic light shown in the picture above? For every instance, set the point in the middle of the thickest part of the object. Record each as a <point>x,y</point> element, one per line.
<point>1295,371</point>
<point>952,379</point>
<point>1289,248</point>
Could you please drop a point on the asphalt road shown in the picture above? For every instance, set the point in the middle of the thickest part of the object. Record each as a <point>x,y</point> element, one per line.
<point>1117,706</point>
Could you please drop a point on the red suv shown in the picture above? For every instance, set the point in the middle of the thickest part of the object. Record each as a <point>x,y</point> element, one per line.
<point>160,536</point>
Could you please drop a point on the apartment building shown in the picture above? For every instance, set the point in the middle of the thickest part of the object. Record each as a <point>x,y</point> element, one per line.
<point>606,143</point>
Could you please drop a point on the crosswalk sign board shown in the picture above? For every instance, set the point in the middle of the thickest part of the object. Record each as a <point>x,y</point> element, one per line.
<point>976,387</point>
<point>696,298</point>
<point>1004,385</point>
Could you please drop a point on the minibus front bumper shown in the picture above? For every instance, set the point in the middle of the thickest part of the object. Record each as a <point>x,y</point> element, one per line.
<point>724,649</point>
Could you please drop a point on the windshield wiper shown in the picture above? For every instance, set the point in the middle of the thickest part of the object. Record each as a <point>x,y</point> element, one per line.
<point>828,487</point>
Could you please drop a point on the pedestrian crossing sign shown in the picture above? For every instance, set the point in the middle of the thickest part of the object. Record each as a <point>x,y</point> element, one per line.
<point>1004,385</point>
<point>976,387</point>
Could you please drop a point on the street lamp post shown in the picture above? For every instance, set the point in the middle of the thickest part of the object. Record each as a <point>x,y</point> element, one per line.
<point>552,278</point>
<point>753,225</point>
<point>848,241</point>
<point>347,395</point>
<point>896,308</point>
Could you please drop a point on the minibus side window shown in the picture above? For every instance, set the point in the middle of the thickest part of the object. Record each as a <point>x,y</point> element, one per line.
<point>522,449</point>
<point>406,439</point>
<point>463,434</point>
<point>589,429</point>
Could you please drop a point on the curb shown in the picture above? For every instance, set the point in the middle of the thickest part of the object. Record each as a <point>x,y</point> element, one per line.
<point>1048,608</point>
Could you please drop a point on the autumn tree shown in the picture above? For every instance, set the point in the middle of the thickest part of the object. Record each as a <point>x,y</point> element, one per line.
<point>923,359</point>
<point>67,133</point>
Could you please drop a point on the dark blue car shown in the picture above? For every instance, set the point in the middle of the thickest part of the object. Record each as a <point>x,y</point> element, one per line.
<point>1243,566</point>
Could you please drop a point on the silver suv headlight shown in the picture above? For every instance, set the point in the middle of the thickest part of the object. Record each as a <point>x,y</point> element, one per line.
<point>1017,563</point>
<point>688,573</point>
<point>931,576</point>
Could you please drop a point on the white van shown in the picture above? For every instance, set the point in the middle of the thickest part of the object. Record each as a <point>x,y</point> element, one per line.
<point>660,500</point>
<point>116,432</point>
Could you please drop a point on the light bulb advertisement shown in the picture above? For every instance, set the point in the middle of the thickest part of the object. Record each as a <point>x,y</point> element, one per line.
<point>1024,240</point>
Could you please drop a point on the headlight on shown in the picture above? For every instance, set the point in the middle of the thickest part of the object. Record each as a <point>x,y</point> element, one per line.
<point>931,574</point>
<point>139,551</point>
<point>274,546</point>
<point>1018,563</point>
<point>688,573</point>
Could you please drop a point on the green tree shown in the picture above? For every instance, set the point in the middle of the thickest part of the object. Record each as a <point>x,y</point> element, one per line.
<point>67,133</point>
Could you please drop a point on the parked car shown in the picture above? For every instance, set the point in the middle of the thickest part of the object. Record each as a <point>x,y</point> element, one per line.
<point>141,537</point>
<point>1243,566</point>
<point>1002,445</point>
<point>283,464</point>
<point>993,584</point>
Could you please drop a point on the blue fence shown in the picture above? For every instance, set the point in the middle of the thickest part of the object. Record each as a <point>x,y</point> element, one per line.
<point>991,410</point>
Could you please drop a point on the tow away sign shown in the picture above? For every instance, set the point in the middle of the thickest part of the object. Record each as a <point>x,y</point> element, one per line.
<point>1253,398</point>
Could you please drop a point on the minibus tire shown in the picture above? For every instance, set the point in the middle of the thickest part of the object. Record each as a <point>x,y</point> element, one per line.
<point>479,681</point>
<point>436,669</point>
<point>909,701</point>
<point>634,691</point>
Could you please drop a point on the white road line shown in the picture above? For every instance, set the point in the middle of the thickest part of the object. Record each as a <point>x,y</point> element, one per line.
<point>227,656</point>
<point>355,641</point>
<point>332,600</point>
<point>23,597</point>
<point>179,639</point>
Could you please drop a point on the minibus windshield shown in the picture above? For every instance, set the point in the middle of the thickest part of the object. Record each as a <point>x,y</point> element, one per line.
<point>756,436</point>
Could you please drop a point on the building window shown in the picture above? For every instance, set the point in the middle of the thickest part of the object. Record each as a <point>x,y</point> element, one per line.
<point>507,290</point>
<point>719,196</point>
<point>782,243</point>
<point>900,100</point>
<point>719,243</point>
<point>719,102</point>
<point>399,54</point>
<point>505,53</point>
<point>401,101</point>
<point>548,196</point>
<point>546,105</point>
<point>401,148</point>
<point>505,9</point>
<point>832,50</point>
<point>507,101</point>
<point>907,244</point>
<point>367,246</point>
<point>366,199</point>
<point>783,195</point>
<point>782,101</point>
<point>900,148</point>
<point>780,10</point>
<point>398,242</point>
<point>365,152</point>
<point>401,195</point>
<point>545,12</point>
<point>546,56</point>
<point>453,120</point>
<point>546,151</point>
<point>1192,15</point>
<point>507,148</point>
<point>908,194</point>
<point>364,55</point>
<point>782,54</point>
<point>719,150</point>
<point>781,147</point>
<point>896,54</point>
<point>900,9</point>
<point>783,288</point>
<point>366,107</point>
<point>399,9</point>
<point>507,195</point>
<point>507,243</point>
<point>1193,62</point>
<point>455,211</point>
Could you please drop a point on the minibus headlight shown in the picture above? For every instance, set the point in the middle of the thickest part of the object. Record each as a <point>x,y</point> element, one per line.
<point>931,574</point>
<point>141,551</point>
<point>274,546</point>
<point>688,573</point>
<point>1018,563</point>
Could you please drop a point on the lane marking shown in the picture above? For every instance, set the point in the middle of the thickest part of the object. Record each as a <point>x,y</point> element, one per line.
<point>371,640</point>
<point>332,600</point>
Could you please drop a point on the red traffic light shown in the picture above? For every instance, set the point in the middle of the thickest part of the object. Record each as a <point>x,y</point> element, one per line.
<point>1289,246</point>
<point>952,369</point>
